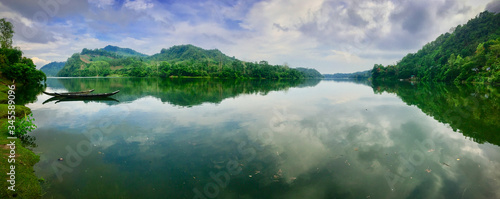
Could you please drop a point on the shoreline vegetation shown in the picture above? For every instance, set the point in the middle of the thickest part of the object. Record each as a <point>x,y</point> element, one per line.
<point>21,72</point>
<point>27,185</point>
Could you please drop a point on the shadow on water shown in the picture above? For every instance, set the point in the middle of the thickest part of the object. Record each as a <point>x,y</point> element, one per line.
<point>180,92</point>
<point>472,110</point>
<point>27,93</point>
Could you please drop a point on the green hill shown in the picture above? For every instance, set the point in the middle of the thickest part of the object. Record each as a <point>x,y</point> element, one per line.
<point>126,52</point>
<point>309,72</point>
<point>469,54</point>
<point>178,61</point>
<point>190,52</point>
<point>51,69</point>
<point>356,75</point>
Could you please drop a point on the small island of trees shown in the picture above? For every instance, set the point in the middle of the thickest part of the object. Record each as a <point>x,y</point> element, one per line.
<point>177,61</point>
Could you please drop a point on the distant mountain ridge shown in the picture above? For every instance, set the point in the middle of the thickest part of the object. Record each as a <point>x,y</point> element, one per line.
<point>51,69</point>
<point>176,61</point>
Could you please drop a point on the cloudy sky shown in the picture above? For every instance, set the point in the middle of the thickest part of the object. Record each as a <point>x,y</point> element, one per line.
<point>329,35</point>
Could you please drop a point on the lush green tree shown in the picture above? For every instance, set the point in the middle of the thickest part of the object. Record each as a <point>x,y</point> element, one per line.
<point>12,65</point>
<point>6,33</point>
<point>20,69</point>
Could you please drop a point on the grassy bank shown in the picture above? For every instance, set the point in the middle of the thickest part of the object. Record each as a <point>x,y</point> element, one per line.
<point>27,184</point>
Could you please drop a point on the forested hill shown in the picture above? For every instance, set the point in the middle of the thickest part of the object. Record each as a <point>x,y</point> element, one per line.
<point>51,69</point>
<point>469,54</point>
<point>178,61</point>
<point>190,52</point>
<point>123,51</point>
<point>356,75</point>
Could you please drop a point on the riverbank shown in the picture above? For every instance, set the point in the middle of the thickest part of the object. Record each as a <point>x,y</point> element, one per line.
<point>27,184</point>
<point>189,77</point>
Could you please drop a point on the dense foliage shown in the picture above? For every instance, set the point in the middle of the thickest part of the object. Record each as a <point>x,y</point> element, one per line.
<point>21,69</point>
<point>469,54</point>
<point>356,75</point>
<point>12,63</point>
<point>51,69</point>
<point>183,60</point>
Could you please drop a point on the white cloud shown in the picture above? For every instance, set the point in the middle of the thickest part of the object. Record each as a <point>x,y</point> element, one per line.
<point>39,62</point>
<point>138,5</point>
<point>102,3</point>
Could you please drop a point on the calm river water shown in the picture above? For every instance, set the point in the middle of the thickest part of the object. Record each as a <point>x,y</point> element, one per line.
<point>199,138</point>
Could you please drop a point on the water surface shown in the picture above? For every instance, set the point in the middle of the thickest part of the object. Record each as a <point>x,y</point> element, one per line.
<point>198,138</point>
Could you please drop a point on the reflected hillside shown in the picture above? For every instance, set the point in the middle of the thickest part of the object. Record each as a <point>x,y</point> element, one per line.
<point>472,110</point>
<point>180,92</point>
<point>365,82</point>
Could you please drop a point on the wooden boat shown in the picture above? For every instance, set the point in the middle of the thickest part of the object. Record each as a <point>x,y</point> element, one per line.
<point>83,99</point>
<point>68,93</point>
<point>79,95</point>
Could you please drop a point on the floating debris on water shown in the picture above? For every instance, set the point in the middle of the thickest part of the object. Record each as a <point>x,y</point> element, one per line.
<point>347,163</point>
<point>430,150</point>
<point>428,170</point>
